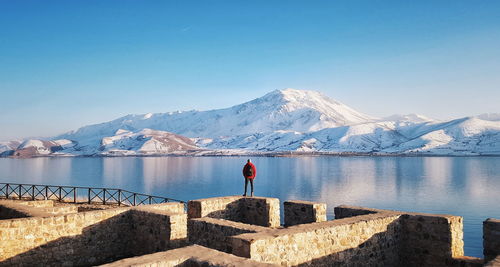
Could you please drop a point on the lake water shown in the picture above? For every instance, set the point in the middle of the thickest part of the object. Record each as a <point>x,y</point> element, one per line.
<point>464,186</point>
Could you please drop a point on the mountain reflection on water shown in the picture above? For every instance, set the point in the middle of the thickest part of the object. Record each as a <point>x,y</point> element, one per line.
<point>464,186</point>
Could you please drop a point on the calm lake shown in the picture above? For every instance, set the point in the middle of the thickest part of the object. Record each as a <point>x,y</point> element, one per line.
<point>464,186</point>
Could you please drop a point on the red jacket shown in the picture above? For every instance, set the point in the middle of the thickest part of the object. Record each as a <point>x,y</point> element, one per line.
<point>253,168</point>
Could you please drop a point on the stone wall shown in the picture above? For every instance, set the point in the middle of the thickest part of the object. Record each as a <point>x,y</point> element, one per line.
<point>491,239</point>
<point>493,263</point>
<point>10,212</point>
<point>371,239</point>
<point>217,207</point>
<point>157,230</point>
<point>78,239</point>
<point>215,233</point>
<point>260,211</point>
<point>170,207</point>
<point>344,211</point>
<point>374,237</point>
<point>192,256</point>
<point>431,240</point>
<point>38,203</point>
<point>10,209</point>
<point>245,226</point>
<point>300,212</point>
<point>427,239</point>
<point>251,210</point>
<point>89,238</point>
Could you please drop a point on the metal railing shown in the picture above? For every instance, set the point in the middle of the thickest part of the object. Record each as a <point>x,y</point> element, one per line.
<point>79,194</point>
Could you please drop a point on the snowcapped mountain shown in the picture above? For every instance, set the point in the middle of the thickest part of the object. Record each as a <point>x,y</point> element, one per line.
<point>145,142</point>
<point>282,120</point>
<point>288,109</point>
<point>35,147</point>
<point>7,148</point>
<point>467,136</point>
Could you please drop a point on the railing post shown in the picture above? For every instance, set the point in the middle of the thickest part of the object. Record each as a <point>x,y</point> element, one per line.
<point>74,194</point>
<point>33,192</point>
<point>46,192</point>
<point>119,197</point>
<point>89,195</point>
<point>104,196</point>
<point>20,187</point>
<point>7,191</point>
<point>149,200</point>
<point>134,198</point>
<point>60,194</point>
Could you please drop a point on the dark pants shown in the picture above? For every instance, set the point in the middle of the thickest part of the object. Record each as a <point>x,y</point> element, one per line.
<point>251,185</point>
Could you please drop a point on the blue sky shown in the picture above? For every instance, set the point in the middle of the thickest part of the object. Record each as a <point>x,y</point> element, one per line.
<point>65,64</point>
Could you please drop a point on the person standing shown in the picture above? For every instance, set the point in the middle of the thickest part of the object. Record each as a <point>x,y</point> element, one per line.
<point>249,172</point>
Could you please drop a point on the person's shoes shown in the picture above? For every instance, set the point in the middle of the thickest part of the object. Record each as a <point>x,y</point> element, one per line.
<point>251,194</point>
<point>245,195</point>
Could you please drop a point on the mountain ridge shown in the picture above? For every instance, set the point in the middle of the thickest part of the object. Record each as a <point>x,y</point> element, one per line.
<point>282,120</point>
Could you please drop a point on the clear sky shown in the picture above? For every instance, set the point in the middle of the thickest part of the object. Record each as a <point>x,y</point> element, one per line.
<point>65,64</point>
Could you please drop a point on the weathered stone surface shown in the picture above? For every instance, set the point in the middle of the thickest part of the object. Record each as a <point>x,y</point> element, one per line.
<point>465,261</point>
<point>260,211</point>
<point>493,263</point>
<point>370,239</point>
<point>217,207</point>
<point>170,207</point>
<point>300,212</point>
<point>247,227</point>
<point>157,230</point>
<point>192,256</point>
<point>10,209</point>
<point>251,210</point>
<point>344,211</point>
<point>214,233</point>
<point>491,239</point>
<point>431,239</point>
<point>89,238</point>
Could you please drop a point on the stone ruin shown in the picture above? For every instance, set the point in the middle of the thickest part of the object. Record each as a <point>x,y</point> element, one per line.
<point>233,231</point>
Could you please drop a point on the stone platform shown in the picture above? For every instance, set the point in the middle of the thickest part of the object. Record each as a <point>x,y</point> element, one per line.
<point>234,231</point>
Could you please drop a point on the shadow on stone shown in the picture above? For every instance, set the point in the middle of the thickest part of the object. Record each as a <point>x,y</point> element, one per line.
<point>126,234</point>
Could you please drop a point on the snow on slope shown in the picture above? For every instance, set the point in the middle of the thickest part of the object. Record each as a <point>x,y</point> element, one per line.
<point>7,148</point>
<point>408,118</point>
<point>144,142</point>
<point>467,136</point>
<point>489,116</point>
<point>288,109</point>
<point>35,147</point>
<point>283,120</point>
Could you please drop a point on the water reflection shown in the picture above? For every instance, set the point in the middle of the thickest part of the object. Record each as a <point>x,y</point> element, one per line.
<point>462,186</point>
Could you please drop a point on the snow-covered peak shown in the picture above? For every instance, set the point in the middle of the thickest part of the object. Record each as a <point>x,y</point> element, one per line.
<point>287,109</point>
<point>31,143</point>
<point>317,110</point>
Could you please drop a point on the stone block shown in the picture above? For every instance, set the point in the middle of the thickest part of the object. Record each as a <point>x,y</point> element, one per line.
<point>431,239</point>
<point>493,263</point>
<point>91,237</point>
<point>344,211</point>
<point>251,210</point>
<point>491,239</point>
<point>215,233</point>
<point>192,256</point>
<point>326,243</point>
<point>300,212</point>
<point>218,207</point>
